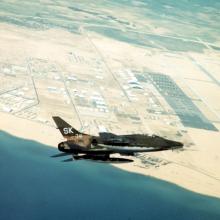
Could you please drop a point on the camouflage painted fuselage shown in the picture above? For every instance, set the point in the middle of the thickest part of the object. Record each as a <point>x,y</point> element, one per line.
<point>111,143</point>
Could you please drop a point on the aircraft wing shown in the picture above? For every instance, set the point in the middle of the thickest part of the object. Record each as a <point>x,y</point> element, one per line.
<point>128,149</point>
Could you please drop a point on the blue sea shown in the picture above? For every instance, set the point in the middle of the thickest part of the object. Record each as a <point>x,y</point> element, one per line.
<point>34,185</point>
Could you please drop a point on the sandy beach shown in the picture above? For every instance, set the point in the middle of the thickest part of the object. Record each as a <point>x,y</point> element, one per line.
<point>197,170</point>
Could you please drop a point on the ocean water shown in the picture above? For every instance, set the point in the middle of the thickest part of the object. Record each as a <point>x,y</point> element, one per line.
<point>35,186</point>
<point>190,19</point>
<point>146,40</point>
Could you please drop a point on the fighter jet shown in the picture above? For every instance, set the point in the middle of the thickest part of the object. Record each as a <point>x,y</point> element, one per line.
<point>78,143</point>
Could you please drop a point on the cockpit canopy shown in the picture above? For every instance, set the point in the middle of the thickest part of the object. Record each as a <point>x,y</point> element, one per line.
<point>113,139</point>
<point>107,135</point>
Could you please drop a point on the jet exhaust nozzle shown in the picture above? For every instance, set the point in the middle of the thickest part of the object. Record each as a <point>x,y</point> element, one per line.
<point>61,146</point>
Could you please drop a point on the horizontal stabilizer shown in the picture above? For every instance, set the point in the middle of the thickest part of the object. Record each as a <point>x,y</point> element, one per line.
<point>60,155</point>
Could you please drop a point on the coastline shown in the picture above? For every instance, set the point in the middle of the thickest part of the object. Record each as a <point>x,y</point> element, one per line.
<point>174,172</point>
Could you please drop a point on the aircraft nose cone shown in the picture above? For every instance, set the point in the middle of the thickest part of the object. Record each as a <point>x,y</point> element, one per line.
<point>175,144</point>
<point>178,144</point>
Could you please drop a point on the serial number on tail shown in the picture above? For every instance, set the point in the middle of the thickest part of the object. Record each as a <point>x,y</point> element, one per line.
<point>68,130</point>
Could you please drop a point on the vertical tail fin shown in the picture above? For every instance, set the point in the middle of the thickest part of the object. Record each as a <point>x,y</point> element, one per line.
<point>65,129</point>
